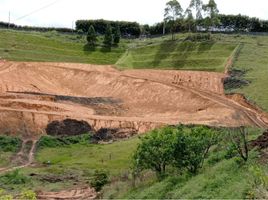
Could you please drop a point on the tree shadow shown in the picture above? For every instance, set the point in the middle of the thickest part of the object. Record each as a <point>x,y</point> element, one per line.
<point>106,49</point>
<point>88,49</point>
<point>164,51</point>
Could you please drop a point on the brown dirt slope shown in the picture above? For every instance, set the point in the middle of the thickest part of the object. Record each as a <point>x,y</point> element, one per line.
<point>32,95</point>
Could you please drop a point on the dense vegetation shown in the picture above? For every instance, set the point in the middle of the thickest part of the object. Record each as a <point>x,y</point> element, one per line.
<point>126,28</point>
<point>220,167</point>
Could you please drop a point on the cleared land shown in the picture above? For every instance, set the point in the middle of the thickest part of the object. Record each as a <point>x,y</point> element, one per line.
<point>34,95</point>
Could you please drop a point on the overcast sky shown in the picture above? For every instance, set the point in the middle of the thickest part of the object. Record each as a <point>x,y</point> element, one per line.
<point>61,13</point>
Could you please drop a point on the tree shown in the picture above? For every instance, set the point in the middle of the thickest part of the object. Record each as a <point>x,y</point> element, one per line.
<point>212,12</point>
<point>173,11</point>
<point>192,149</point>
<point>239,138</point>
<point>156,151</point>
<point>108,37</point>
<point>197,6</point>
<point>100,179</point>
<point>189,19</point>
<point>117,35</point>
<point>91,36</point>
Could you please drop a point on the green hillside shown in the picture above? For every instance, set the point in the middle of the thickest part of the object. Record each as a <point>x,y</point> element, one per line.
<point>186,55</point>
<point>53,47</point>
<point>253,62</point>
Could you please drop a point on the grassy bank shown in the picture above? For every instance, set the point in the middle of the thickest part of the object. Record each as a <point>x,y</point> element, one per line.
<point>53,47</point>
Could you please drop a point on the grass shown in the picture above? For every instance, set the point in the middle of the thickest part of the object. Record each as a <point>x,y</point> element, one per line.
<point>114,158</point>
<point>253,58</point>
<point>186,55</point>
<point>226,179</point>
<point>53,47</point>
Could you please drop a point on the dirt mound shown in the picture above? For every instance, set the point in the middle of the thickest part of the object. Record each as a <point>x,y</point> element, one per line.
<point>109,134</point>
<point>81,194</point>
<point>261,142</point>
<point>68,127</point>
<point>34,95</point>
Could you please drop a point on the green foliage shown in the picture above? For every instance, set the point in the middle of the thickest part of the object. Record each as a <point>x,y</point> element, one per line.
<point>117,35</point>
<point>9,144</point>
<point>28,195</point>
<point>180,147</point>
<point>127,28</point>
<point>100,178</point>
<point>213,14</point>
<point>192,148</point>
<point>173,11</point>
<point>13,178</point>
<point>108,37</point>
<point>53,142</point>
<point>156,150</point>
<point>91,36</point>
<point>199,37</point>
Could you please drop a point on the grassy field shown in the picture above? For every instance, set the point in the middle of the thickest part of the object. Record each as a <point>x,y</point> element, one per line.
<point>53,47</point>
<point>253,58</point>
<point>186,55</point>
<point>112,157</point>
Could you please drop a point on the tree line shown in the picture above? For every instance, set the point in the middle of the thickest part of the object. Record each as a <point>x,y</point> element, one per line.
<point>34,28</point>
<point>100,26</point>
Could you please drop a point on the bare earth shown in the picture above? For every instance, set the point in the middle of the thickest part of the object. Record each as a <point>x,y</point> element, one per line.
<point>34,94</point>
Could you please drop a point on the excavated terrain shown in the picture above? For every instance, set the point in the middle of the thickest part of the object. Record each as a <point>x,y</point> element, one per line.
<point>37,97</point>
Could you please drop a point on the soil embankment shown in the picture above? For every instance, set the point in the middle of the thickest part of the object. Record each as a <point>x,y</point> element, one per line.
<point>34,95</point>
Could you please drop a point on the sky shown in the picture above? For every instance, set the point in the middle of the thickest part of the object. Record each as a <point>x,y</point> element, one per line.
<point>63,13</point>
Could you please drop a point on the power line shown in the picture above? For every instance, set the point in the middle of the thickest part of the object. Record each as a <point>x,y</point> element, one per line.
<point>37,10</point>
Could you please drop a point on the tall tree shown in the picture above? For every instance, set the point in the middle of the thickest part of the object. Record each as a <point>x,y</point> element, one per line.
<point>117,35</point>
<point>173,11</point>
<point>212,12</point>
<point>197,5</point>
<point>189,19</point>
<point>91,36</point>
<point>108,37</point>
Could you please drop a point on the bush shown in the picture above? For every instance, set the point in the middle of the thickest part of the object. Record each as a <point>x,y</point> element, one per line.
<point>9,144</point>
<point>14,178</point>
<point>28,195</point>
<point>100,179</point>
<point>181,147</point>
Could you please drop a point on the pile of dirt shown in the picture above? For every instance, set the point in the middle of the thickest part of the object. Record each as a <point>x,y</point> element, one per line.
<point>68,127</point>
<point>106,135</point>
<point>261,142</point>
<point>45,94</point>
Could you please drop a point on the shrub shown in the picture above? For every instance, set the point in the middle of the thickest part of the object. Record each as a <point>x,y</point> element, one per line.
<point>28,195</point>
<point>9,144</point>
<point>100,179</point>
<point>108,37</point>
<point>14,178</point>
<point>91,36</point>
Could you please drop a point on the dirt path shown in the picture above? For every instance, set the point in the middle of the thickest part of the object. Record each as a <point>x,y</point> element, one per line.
<point>21,154</point>
<point>79,194</point>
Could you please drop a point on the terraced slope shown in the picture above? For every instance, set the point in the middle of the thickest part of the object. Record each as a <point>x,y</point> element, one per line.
<point>203,56</point>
